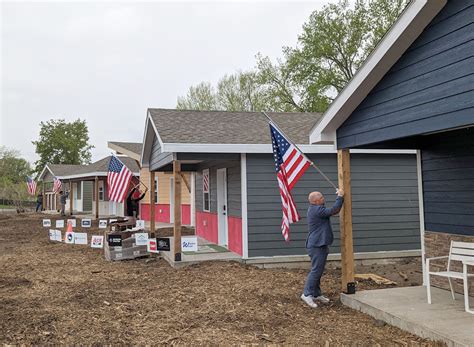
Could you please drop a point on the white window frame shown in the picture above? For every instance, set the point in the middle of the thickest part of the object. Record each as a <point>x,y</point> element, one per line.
<point>204,172</point>
<point>101,190</point>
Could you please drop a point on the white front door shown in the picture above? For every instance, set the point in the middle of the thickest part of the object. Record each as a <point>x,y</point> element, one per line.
<point>171,200</point>
<point>222,207</point>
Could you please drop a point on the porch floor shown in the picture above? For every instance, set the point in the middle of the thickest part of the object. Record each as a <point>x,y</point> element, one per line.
<point>207,251</point>
<point>407,308</point>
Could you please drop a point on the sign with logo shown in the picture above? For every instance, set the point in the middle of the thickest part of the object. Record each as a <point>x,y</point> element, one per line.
<point>72,221</point>
<point>80,238</point>
<point>58,236</point>
<point>46,223</point>
<point>60,223</point>
<point>140,224</point>
<point>114,240</point>
<point>189,244</point>
<point>163,243</point>
<point>102,223</point>
<point>52,234</point>
<point>97,241</point>
<point>151,246</point>
<point>86,223</point>
<point>141,239</point>
<point>69,237</point>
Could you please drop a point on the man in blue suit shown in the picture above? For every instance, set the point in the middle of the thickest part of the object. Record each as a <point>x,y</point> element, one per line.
<point>319,239</point>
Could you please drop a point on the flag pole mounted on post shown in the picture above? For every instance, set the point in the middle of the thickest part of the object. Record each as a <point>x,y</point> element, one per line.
<point>309,160</point>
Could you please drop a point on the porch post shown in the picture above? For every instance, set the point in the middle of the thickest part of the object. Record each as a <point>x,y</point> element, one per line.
<point>193,199</point>
<point>152,203</point>
<point>96,197</point>
<point>71,196</point>
<point>347,249</point>
<point>177,209</point>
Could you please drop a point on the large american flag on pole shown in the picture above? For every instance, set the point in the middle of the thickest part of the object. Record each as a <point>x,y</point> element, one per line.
<point>118,179</point>
<point>290,165</point>
<point>31,183</point>
<point>57,184</point>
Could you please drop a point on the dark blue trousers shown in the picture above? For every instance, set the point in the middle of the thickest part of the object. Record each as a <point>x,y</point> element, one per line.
<point>318,257</point>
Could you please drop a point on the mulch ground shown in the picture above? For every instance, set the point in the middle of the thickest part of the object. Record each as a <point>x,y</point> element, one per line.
<point>53,293</point>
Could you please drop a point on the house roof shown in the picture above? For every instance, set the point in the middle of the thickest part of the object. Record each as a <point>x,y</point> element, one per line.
<point>131,149</point>
<point>65,169</point>
<point>411,23</point>
<point>222,127</point>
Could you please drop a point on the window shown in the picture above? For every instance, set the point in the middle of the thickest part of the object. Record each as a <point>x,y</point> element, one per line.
<point>101,190</point>
<point>78,190</point>
<point>156,190</point>
<point>206,190</point>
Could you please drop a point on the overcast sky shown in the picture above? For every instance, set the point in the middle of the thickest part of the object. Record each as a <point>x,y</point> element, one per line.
<point>107,62</point>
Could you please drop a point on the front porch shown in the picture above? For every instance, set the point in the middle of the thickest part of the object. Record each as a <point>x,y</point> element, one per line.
<point>407,308</point>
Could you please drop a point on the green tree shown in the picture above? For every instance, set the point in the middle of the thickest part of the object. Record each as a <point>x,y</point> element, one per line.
<point>334,44</point>
<point>61,142</point>
<point>13,169</point>
<point>200,97</point>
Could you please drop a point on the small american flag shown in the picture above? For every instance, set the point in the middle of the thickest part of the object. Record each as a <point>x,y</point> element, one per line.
<point>118,179</point>
<point>290,165</point>
<point>57,185</point>
<point>205,181</point>
<point>31,183</point>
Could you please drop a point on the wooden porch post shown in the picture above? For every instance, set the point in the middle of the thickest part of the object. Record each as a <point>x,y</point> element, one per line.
<point>71,197</point>
<point>152,203</point>
<point>347,249</point>
<point>177,209</point>
<point>96,197</point>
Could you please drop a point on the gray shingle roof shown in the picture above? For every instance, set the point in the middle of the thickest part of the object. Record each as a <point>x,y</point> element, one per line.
<point>183,126</point>
<point>101,165</point>
<point>65,169</point>
<point>134,147</point>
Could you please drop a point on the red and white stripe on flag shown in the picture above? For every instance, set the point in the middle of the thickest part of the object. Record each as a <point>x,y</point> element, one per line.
<point>57,185</point>
<point>31,186</point>
<point>290,214</point>
<point>295,164</point>
<point>118,180</point>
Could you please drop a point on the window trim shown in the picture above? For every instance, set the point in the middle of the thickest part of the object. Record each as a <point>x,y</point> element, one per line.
<point>204,172</point>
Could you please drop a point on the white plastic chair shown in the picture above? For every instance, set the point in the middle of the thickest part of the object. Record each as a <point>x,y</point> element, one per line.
<point>459,251</point>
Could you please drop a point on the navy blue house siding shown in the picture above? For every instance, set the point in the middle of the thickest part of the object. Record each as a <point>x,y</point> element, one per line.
<point>430,88</point>
<point>448,182</point>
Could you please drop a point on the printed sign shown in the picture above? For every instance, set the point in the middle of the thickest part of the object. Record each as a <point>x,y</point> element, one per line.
<point>58,235</point>
<point>114,240</point>
<point>102,223</point>
<point>69,237</point>
<point>163,243</point>
<point>141,239</point>
<point>140,224</point>
<point>151,246</point>
<point>97,241</point>
<point>52,234</point>
<point>60,223</point>
<point>47,223</point>
<point>189,244</point>
<point>86,223</point>
<point>72,221</point>
<point>80,238</point>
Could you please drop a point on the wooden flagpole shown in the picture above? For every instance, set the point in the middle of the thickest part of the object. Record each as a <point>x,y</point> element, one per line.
<point>294,144</point>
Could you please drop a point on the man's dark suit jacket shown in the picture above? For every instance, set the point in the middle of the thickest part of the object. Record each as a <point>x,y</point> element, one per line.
<point>319,225</point>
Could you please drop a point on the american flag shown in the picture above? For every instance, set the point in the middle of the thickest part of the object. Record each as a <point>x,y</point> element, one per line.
<point>290,165</point>
<point>118,179</point>
<point>57,185</point>
<point>205,181</point>
<point>31,183</point>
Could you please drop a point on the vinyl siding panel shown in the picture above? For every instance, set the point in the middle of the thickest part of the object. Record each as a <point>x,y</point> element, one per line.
<point>87,190</point>
<point>233,185</point>
<point>430,88</point>
<point>448,182</point>
<point>157,158</point>
<point>384,195</point>
<point>164,187</point>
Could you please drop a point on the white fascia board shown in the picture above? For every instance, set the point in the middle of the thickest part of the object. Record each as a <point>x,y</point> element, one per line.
<point>89,174</point>
<point>264,148</point>
<point>123,151</point>
<point>398,39</point>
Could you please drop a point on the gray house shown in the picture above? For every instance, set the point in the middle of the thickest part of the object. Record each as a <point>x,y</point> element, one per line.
<point>416,91</point>
<point>236,198</point>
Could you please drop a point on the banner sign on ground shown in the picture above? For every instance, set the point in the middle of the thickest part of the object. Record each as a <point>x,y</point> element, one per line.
<point>60,223</point>
<point>58,236</point>
<point>151,246</point>
<point>114,240</point>
<point>47,223</point>
<point>102,223</point>
<point>72,221</point>
<point>189,244</point>
<point>52,234</point>
<point>141,239</point>
<point>97,241</point>
<point>80,238</point>
<point>140,224</point>
<point>163,243</point>
<point>69,237</point>
<point>86,223</point>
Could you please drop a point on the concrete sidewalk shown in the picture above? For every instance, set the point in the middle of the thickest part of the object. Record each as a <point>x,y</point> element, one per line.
<point>407,308</point>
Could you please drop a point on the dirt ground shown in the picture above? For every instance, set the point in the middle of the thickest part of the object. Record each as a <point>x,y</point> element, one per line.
<point>53,293</point>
